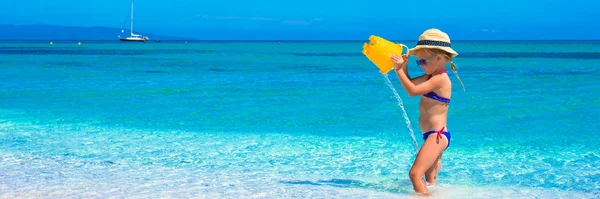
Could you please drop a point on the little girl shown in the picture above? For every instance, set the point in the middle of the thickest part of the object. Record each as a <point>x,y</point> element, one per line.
<point>433,52</point>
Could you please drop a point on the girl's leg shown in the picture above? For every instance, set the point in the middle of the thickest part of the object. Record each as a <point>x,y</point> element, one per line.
<point>431,173</point>
<point>428,154</point>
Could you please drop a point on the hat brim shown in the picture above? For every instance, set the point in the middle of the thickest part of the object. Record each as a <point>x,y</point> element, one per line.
<point>412,51</point>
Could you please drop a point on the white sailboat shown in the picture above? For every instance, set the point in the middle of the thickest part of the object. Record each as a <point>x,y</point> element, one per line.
<point>132,36</point>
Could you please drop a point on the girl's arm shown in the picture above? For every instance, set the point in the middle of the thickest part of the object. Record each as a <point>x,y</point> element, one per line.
<point>416,86</point>
<point>417,80</point>
<point>414,90</point>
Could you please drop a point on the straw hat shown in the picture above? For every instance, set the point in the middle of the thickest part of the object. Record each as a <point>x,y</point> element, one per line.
<point>434,38</point>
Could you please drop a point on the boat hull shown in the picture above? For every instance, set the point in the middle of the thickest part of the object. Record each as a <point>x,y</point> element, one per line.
<point>133,39</point>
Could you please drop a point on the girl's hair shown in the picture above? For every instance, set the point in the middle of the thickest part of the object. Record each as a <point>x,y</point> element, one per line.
<point>448,56</point>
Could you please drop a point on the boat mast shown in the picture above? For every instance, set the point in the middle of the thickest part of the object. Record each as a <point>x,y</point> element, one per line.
<point>131,23</point>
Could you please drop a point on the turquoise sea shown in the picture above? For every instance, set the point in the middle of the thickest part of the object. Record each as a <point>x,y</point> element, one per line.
<point>296,119</point>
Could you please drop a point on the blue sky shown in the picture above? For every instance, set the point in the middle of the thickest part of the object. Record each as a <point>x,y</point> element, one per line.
<point>321,19</point>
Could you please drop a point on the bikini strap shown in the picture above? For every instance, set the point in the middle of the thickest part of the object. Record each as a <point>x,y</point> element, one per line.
<point>441,72</point>
<point>439,133</point>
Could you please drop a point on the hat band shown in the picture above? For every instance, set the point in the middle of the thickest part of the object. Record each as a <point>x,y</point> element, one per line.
<point>433,43</point>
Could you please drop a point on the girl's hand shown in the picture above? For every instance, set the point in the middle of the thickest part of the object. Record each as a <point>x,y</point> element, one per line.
<point>399,61</point>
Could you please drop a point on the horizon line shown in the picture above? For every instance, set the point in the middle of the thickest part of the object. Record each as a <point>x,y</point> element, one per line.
<point>281,40</point>
<point>184,38</point>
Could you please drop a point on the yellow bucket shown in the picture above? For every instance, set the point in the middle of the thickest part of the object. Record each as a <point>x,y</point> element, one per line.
<point>379,51</point>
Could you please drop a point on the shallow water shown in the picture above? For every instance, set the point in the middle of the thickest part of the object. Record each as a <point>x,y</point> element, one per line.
<point>293,120</point>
